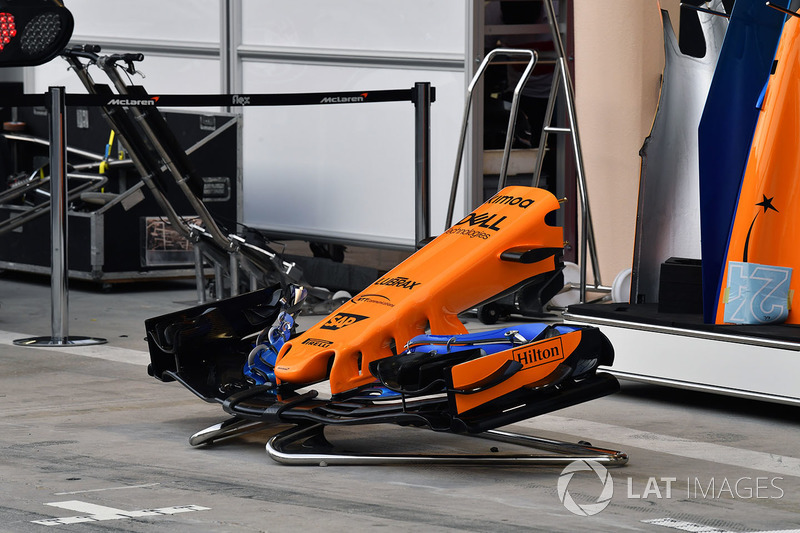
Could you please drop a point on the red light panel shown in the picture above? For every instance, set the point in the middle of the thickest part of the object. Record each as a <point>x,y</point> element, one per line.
<point>33,32</point>
<point>8,29</point>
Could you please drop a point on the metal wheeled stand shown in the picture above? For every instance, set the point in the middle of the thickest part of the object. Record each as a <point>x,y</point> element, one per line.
<point>298,422</point>
<point>306,445</point>
<point>158,157</point>
<point>237,262</point>
<point>560,453</point>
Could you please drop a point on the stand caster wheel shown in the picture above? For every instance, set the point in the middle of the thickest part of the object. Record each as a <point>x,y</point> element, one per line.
<point>489,314</point>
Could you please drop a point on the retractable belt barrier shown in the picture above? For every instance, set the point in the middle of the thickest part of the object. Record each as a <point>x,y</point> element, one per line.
<point>223,100</point>
<point>56,100</point>
<point>421,95</point>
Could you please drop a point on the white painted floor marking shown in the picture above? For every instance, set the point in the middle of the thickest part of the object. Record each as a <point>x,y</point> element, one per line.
<point>97,351</point>
<point>700,528</point>
<point>96,513</point>
<point>705,451</point>
<point>107,488</point>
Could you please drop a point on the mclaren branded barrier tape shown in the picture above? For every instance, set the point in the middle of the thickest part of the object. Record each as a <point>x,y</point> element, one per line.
<point>223,100</point>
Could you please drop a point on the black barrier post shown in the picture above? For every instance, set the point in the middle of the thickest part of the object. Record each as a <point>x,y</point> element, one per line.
<point>422,168</point>
<point>59,313</point>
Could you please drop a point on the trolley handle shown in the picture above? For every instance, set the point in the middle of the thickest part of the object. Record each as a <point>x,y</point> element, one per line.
<point>109,61</point>
<point>85,51</point>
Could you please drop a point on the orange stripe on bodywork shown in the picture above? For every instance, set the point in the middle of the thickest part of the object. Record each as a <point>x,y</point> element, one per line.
<point>770,235</point>
<point>539,359</point>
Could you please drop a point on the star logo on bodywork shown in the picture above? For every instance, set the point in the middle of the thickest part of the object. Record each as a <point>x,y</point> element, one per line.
<point>766,203</point>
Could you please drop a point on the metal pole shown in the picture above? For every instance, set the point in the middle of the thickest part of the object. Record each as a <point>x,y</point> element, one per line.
<point>199,277</point>
<point>587,234</point>
<point>422,159</point>
<point>59,313</point>
<point>234,272</point>
<point>58,215</point>
<point>219,282</point>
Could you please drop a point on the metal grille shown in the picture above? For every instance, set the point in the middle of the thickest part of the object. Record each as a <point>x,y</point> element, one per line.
<point>40,33</point>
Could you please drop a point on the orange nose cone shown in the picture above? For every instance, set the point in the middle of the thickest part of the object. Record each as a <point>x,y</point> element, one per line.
<point>310,367</point>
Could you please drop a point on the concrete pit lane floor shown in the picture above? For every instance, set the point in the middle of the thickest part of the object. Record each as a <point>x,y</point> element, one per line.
<point>90,442</point>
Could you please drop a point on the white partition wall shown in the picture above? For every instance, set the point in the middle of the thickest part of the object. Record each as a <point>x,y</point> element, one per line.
<point>339,172</point>
<point>172,22</point>
<point>428,29</point>
<point>346,172</point>
<point>180,40</point>
<point>164,74</point>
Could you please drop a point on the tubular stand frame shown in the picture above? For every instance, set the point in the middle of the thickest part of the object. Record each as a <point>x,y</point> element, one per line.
<point>562,85</point>
<point>423,97</point>
<point>512,119</point>
<point>561,453</point>
<point>556,453</point>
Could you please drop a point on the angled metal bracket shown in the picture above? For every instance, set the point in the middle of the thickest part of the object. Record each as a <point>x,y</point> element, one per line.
<point>557,453</point>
